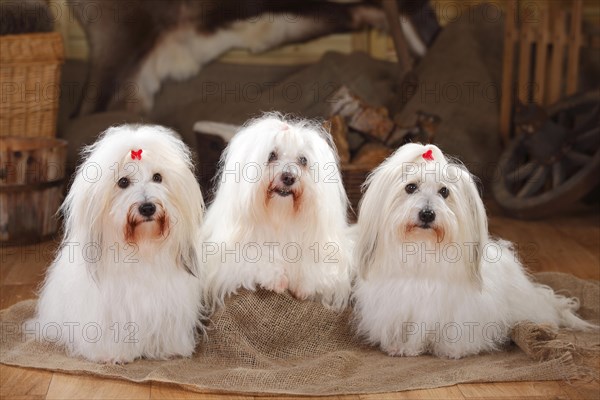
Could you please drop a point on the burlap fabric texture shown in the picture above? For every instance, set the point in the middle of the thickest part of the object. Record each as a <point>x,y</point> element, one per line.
<point>267,343</point>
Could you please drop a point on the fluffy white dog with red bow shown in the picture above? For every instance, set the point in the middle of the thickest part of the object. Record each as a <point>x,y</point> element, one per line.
<point>127,279</point>
<point>431,279</point>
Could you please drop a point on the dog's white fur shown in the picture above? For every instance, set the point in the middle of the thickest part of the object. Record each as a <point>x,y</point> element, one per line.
<point>450,290</point>
<point>127,285</point>
<point>257,237</point>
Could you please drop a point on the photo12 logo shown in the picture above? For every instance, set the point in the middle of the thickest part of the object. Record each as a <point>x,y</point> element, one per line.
<point>252,172</point>
<point>452,332</point>
<point>67,332</point>
<point>253,252</point>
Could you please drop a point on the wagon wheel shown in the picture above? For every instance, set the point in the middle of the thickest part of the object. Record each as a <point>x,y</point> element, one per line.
<point>546,169</point>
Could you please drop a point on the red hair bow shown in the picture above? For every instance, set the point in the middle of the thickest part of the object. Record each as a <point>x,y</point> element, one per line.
<point>428,155</point>
<point>136,154</point>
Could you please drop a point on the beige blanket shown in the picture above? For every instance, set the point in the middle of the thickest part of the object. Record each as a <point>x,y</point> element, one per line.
<point>267,343</point>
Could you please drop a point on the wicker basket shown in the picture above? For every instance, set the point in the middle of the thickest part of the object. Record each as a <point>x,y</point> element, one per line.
<point>29,84</point>
<point>354,176</point>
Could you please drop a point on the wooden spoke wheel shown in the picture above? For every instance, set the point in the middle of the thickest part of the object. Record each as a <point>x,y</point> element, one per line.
<point>545,169</point>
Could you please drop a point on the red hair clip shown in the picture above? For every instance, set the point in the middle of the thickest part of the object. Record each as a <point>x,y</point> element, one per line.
<point>428,155</point>
<point>136,154</point>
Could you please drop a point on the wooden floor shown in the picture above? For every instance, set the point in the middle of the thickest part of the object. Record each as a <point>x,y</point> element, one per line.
<point>568,243</point>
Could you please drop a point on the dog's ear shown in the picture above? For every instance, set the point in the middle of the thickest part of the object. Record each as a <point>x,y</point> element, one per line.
<point>191,213</point>
<point>324,131</point>
<point>370,221</point>
<point>83,210</point>
<point>365,249</point>
<point>474,224</point>
<point>190,261</point>
<point>189,241</point>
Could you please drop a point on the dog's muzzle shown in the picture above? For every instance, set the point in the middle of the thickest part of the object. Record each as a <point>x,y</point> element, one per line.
<point>288,179</point>
<point>147,209</point>
<point>426,216</point>
<point>426,221</point>
<point>284,185</point>
<point>148,212</point>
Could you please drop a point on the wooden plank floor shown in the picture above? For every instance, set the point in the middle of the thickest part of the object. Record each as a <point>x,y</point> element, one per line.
<point>566,243</point>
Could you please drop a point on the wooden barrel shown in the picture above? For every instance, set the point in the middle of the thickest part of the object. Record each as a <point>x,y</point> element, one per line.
<point>32,177</point>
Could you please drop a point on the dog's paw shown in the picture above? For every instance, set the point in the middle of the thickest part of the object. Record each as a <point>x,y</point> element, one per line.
<point>457,350</point>
<point>402,350</point>
<point>114,361</point>
<point>301,293</point>
<point>278,285</point>
<point>449,353</point>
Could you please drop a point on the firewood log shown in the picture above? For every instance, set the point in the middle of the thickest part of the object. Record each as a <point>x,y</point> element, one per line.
<point>371,121</point>
<point>339,132</point>
<point>372,154</point>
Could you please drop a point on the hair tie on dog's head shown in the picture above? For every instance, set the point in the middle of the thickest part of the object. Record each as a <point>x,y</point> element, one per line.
<point>136,154</point>
<point>428,155</point>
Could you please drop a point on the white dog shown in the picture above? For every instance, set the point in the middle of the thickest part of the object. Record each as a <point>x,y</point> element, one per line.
<point>431,279</point>
<point>278,219</point>
<point>126,282</point>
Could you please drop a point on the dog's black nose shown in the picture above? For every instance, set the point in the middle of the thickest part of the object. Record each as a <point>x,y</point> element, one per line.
<point>427,216</point>
<point>288,179</point>
<point>147,209</point>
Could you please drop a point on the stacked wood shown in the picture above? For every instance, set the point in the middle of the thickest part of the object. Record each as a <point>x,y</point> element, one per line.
<point>339,131</point>
<point>372,154</point>
<point>423,130</point>
<point>372,121</point>
<point>32,177</point>
<point>366,135</point>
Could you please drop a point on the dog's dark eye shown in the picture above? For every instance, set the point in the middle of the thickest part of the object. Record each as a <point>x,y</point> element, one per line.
<point>411,188</point>
<point>157,178</point>
<point>123,183</point>
<point>272,156</point>
<point>303,161</point>
<point>444,192</point>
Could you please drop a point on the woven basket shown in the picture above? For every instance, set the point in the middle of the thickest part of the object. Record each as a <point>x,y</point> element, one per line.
<point>353,177</point>
<point>29,84</point>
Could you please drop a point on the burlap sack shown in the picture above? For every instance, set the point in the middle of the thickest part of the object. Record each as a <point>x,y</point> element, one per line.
<point>268,343</point>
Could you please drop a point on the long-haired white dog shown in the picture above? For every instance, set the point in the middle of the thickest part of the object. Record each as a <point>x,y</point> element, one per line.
<point>278,219</point>
<point>126,282</point>
<point>431,279</point>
